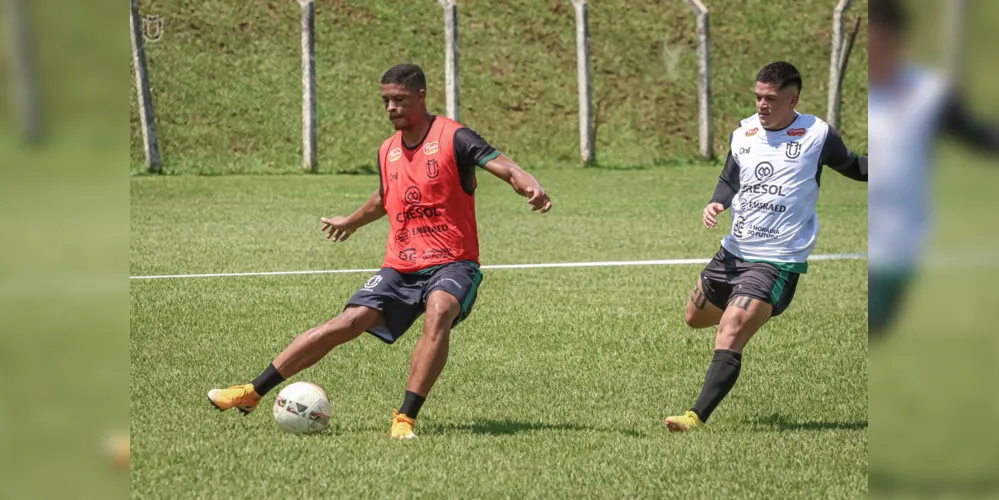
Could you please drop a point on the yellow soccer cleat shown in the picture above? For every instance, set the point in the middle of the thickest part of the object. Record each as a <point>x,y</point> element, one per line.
<point>402,426</point>
<point>682,423</point>
<point>241,397</point>
<point>119,449</point>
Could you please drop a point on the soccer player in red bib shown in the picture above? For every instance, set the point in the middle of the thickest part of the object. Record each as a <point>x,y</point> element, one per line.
<point>427,187</point>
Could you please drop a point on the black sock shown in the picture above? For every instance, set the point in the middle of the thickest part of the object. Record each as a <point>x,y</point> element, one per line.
<point>721,377</point>
<point>267,380</point>
<point>411,405</point>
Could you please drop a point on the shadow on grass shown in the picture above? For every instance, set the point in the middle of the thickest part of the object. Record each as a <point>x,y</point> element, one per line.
<point>510,427</point>
<point>494,428</point>
<point>781,423</point>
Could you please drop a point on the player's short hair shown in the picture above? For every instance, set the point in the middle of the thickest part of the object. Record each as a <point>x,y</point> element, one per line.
<point>782,74</point>
<point>409,76</point>
<point>889,15</point>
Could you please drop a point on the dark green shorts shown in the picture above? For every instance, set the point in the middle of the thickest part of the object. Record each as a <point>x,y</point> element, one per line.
<point>728,276</point>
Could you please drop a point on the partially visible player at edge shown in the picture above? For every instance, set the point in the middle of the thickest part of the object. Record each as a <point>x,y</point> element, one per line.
<point>427,174</point>
<point>771,182</point>
<point>929,105</point>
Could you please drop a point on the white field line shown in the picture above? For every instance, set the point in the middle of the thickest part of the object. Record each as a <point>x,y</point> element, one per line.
<point>618,263</point>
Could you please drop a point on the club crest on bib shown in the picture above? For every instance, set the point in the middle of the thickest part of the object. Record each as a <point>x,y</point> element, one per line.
<point>433,169</point>
<point>793,150</point>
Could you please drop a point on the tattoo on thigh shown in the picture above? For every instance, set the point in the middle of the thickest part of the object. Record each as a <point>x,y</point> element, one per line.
<point>698,298</point>
<point>742,302</point>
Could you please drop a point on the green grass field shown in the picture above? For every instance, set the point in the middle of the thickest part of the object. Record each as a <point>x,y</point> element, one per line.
<point>556,386</point>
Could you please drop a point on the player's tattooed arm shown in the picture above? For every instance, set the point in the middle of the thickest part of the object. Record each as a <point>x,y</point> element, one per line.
<point>837,156</point>
<point>522,182</point>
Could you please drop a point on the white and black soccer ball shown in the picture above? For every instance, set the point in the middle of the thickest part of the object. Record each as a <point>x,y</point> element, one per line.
<point>302,408</point>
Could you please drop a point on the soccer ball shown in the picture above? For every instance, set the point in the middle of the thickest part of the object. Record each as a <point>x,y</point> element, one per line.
<point>302,408</point>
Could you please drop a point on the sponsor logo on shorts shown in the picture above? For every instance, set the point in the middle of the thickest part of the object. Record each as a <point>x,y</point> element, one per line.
<point>744,151</point>
<point>751,132</point>
<point>412,213</point>
<point>433,170</point>
<point>372,282</point>
<point>395,154</point>
<point>764,170</point>
<point>793,150</point>
<point>431,148</point>
<point>796,132</point>
<point>402,236</point>
<point>773,189</point>
<point>418,231</point>
<point>760,205</point>
<point>442,280</point>
<point>413,195</point>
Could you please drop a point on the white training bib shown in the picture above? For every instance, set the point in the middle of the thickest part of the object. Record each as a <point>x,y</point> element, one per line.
<point>904,120</point>
<point>773,214</point>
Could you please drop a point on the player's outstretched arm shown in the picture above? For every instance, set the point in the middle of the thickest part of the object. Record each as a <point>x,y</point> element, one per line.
<point>838,157</point>
<point>340,228</point>
<point>968,129</point>
<point>522,182</point>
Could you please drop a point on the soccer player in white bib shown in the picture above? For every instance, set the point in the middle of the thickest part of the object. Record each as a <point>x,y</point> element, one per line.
<point>770,183</point>
<point>909,108</point>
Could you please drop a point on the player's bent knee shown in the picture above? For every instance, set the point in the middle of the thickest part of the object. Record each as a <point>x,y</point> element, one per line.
<point>442,309</point>
<point>700,318</point>
<point>697,319</point>
<point>694,322</point>
<point>701,313</point>
<point>739,325</point>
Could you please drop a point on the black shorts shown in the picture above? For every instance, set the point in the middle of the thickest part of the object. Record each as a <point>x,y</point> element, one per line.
<point>402,298</point>
<point>728,276</point>
<point>887,290</point>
